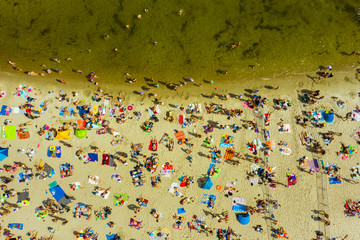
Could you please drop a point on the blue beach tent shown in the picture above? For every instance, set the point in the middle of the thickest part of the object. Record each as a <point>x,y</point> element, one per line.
<point>4,153</point>
<point>208,184</point>
<point>243,218</point>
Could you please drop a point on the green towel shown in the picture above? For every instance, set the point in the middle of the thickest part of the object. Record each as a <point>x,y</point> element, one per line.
<point>10,132</point>
<point>53,184</point>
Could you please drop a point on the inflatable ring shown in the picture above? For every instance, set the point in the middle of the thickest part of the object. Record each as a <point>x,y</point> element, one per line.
<point>130,108</point>
<point>52,148</point>
<point>218,187</point>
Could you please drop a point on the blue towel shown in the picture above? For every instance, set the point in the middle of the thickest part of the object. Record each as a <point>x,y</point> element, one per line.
<point>181,210</point>
<point>3,110</point>
<point>93,157</point>
<point>58,152</point>
<point>332,180</point>
<point>57,192</point>
<point>211,166</point>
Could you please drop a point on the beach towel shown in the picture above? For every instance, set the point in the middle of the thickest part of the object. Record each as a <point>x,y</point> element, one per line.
<point>23,134</point>
<point>229,154</point>
<point>178,192</point>
<point>238,204</point>
<point>66,170</point>
<point>81,124</point>
<point>286,129</point>
<point>270,144</point>
<point>54,153</point>
<point>206,199</point>
<point>167,170</point>
<point>229,144</point>
<point>285,151</point>
<point>181,119</point>
<point>16,225</point>
<point>112,237</point>
<point>93,157</point>
<point>108,160</point>
<point>95,109</point>
<point>94,180</point>
<point>16,110</point>
<point>319,115</point>
<point>41,213</point>
<point>112,112</point>
<point>179,136</point>
<point>62,113</point>
<point>333,180</point>
<point>156,179</point>
<point>214,157</point>
<point>57,192</point>
<point>355,172</point>
<point>120,199</point>
<point>49,170</point>
<point>151,144</point>
<point>116,177</point>
<point>162,233</point>
<point>23,177</point>
<point>5,110</point>
<point>99,192</point>
<point>9,132</point>
<point>245,105</point>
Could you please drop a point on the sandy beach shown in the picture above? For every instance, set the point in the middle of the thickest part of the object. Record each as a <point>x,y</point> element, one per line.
<point>297,204</point>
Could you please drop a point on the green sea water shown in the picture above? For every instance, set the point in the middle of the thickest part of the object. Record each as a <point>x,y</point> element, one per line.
<point>279,37</point>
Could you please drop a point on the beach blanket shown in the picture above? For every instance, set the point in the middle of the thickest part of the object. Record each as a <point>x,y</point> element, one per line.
<point>108,160</point>
<point>112,112</point>
<point>207,198</point>
<point>312,165</point>
<point>355,172</point>
<point>9,132</point>
<point>162,233</point>
<point>229,140</point>
<point>176,189</point>
<point>285,129</point>
<point>238,204</point>
<point>214,157</point>
<point>285,150</point>
<point>100,192</point>
<point>181,119</point>
<point>81,124</point>
<point>5,110</point>
<point>167,170</point>
<point>41,213</point>
<point>58,193</point>
<point>49,170</point>
<point>116,177</point>
<point>24,91</point>
<point>229,154</point>
<point>120,199</point>
<point>93,157</point>
<point>62,113</point>
<point>19,226</point>
<point>95,109</point>
<point>333,180</point>
<point>94,180</point>
<point>245,105</point>
<point>318,115</point>
<point>24,134</point>
<point>66,170</point>
<point>179,136</point>
<point>23,177</point>
<point>54,153</point>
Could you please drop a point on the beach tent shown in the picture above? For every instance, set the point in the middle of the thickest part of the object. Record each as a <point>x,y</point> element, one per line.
<point>238,204</point>
<point>80,133</point>
<point>63,134</point>
<point>4,153</point>
<point>243,218</point>
<point>328,117</point>
<point>207,184</point>
<point>58,193</point>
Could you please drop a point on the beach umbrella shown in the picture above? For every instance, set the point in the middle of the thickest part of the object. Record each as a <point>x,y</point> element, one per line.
<point>4,153</point>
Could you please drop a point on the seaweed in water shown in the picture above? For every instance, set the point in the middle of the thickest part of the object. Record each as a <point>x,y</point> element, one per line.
<point>252,51</point>
<point>45,31</point>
